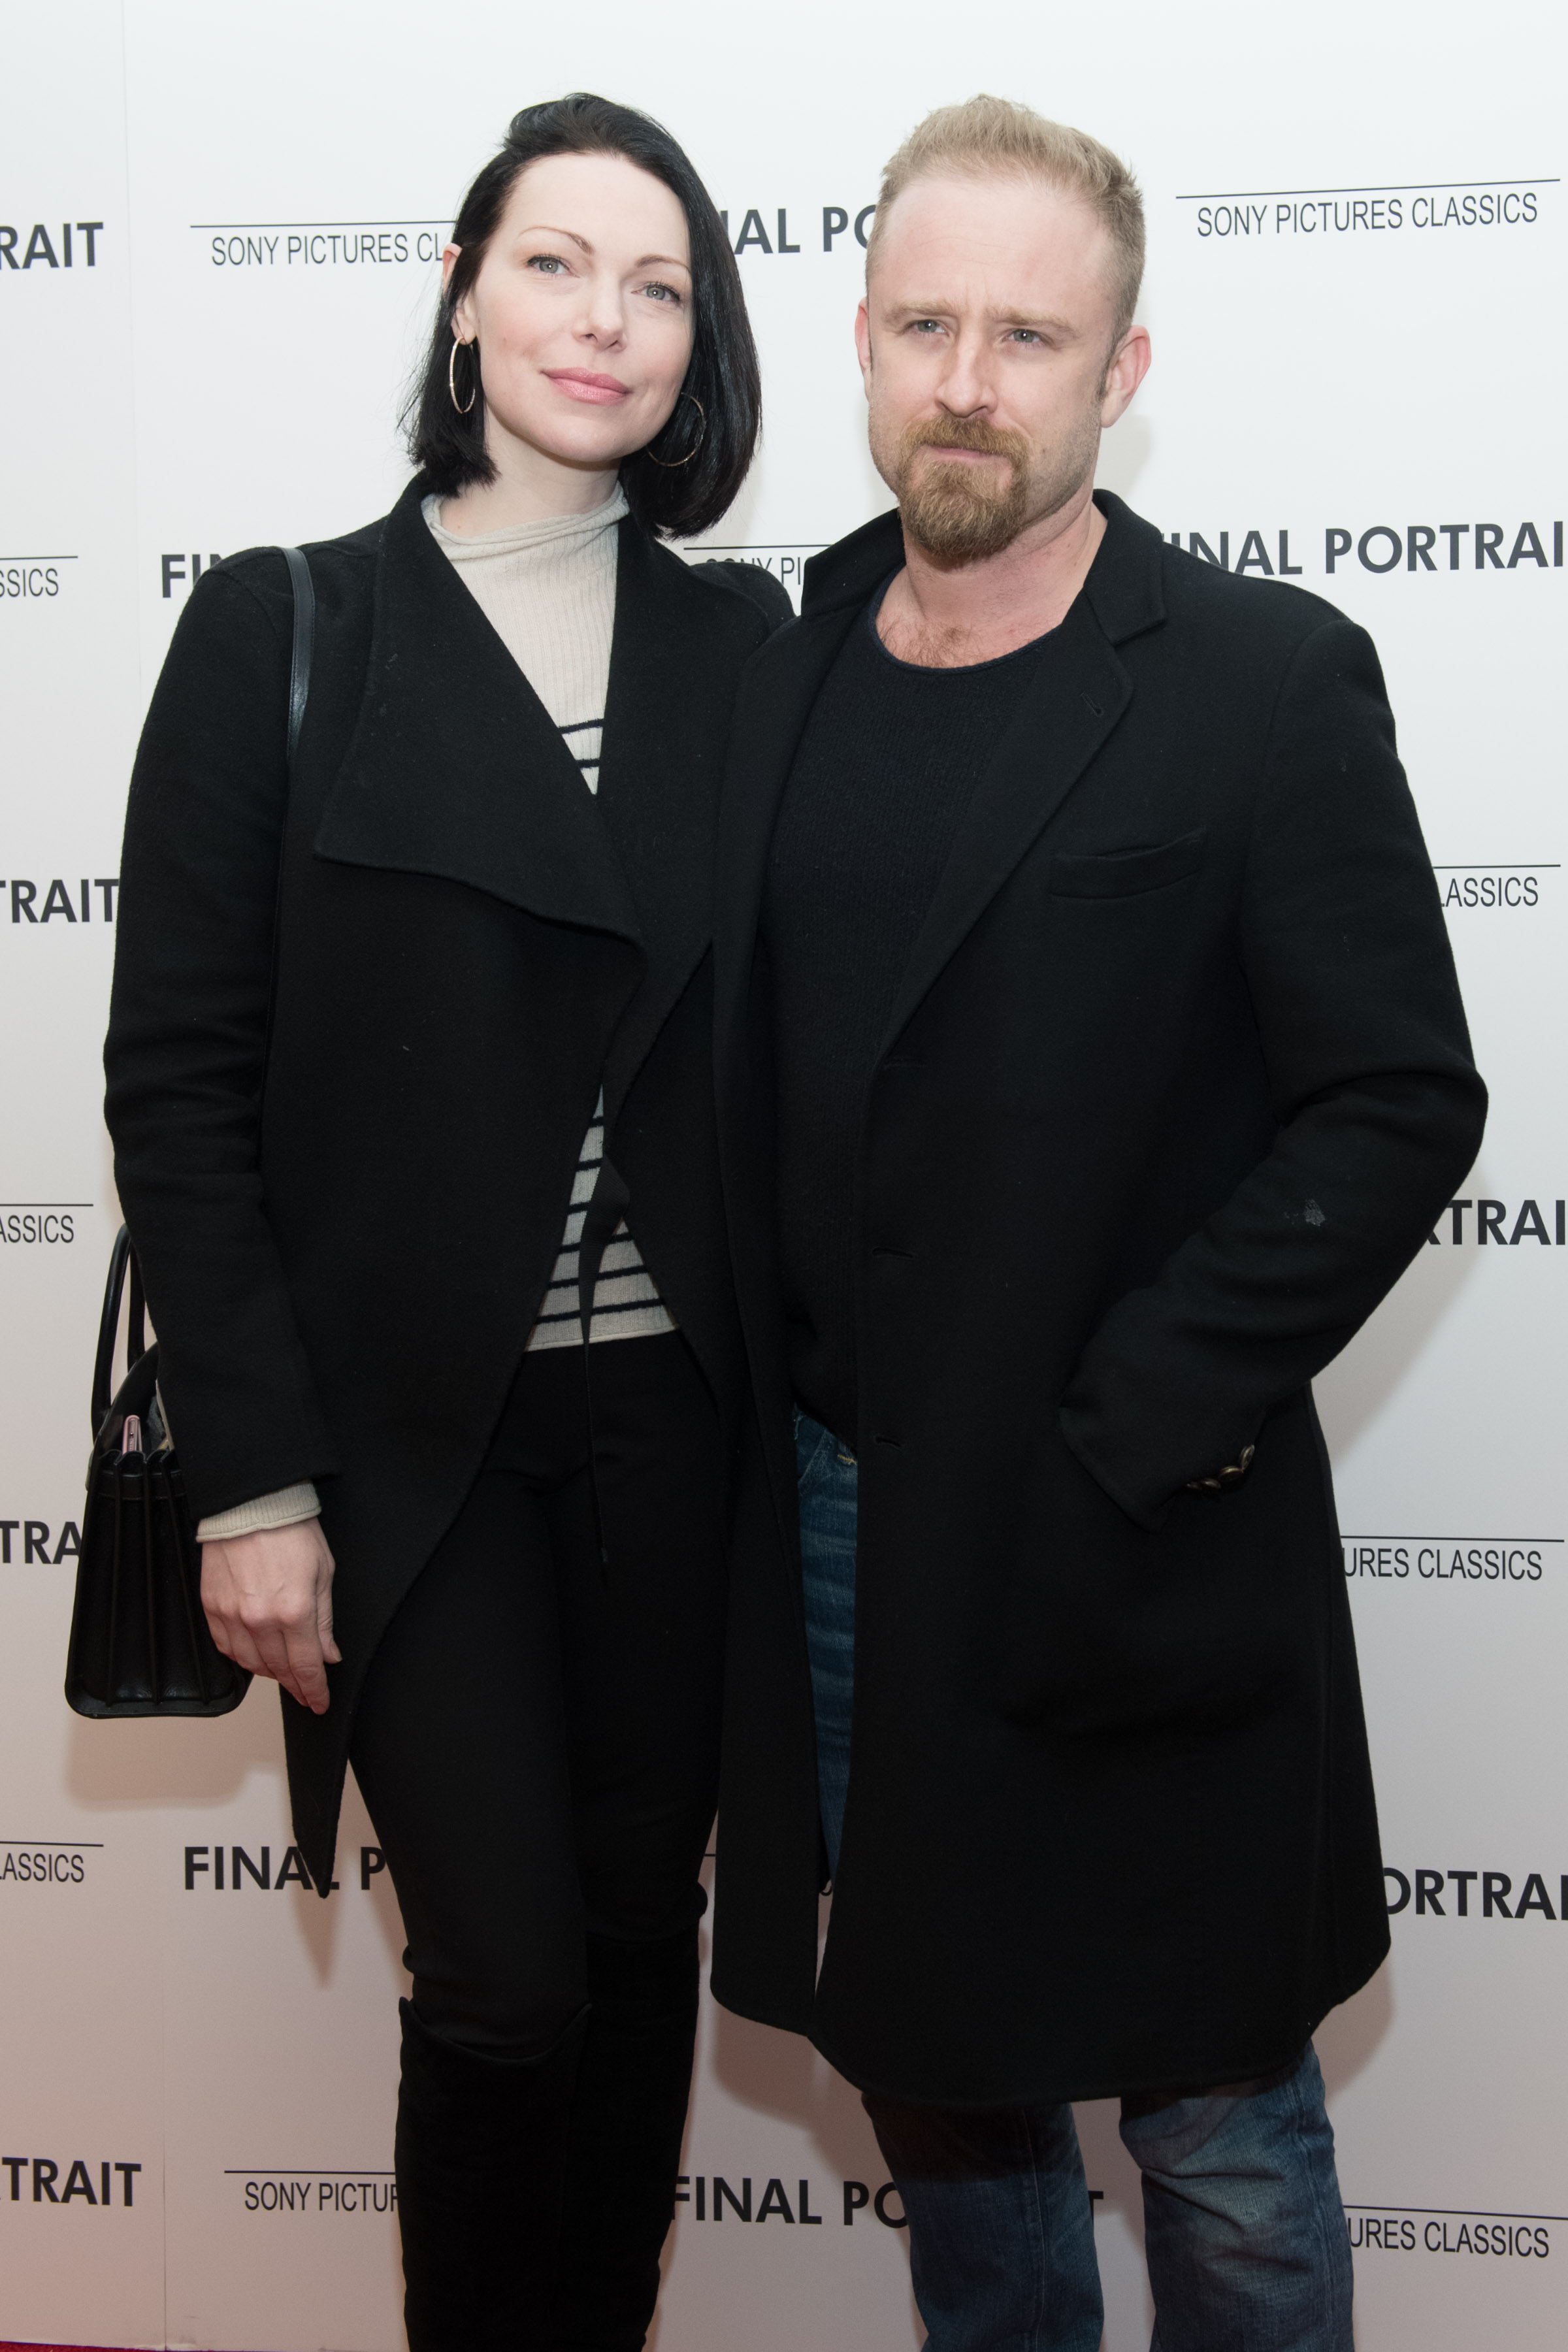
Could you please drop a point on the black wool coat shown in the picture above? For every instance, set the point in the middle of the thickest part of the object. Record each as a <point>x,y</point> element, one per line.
<point>1177,1080</point>
<point>342,1269</point>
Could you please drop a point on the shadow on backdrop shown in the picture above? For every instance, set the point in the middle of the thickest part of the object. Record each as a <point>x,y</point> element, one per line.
<point>181,1767</point>
<point>779,2075</point>
<point>1356,1387</point>
<point>1124,454</point>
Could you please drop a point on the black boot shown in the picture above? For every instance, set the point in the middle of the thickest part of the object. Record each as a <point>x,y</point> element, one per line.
<point>482,2158</point>
<point>627,2117</point>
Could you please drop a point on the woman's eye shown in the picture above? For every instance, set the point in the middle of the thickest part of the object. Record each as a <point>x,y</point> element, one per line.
<point>549,264</point>
<point>663,293</point>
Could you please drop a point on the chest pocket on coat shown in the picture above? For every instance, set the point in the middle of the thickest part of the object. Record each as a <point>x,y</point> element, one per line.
<point>1125,873</point>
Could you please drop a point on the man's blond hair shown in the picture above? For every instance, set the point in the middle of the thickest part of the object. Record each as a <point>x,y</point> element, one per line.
<point>992,137</point>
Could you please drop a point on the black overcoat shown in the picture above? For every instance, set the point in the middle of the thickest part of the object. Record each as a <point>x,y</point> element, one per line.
<point>342,1272</point>
<point>1176,1082</point>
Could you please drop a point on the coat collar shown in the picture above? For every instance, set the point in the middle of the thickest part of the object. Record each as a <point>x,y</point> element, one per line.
<point>1124,583</point>
<point>455,768</point>
<point>1078,694</point>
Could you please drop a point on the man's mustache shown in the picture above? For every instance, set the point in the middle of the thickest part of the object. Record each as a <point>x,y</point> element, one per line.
<point>964,433</point>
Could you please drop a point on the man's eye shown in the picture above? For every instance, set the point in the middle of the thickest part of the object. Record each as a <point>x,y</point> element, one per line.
<point>928,326</point>
<point>1023,335</point>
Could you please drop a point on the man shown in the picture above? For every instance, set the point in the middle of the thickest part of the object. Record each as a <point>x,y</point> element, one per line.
<point>1091,1063</point>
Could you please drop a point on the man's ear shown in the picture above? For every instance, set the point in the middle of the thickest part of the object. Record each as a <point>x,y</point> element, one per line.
<point>863,345</point>
<point>1129,366</point>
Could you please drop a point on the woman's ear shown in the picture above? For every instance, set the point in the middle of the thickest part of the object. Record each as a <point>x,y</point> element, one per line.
<point>464,323</point>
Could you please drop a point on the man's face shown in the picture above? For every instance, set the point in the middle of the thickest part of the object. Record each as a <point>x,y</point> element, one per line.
<point>986,345</point>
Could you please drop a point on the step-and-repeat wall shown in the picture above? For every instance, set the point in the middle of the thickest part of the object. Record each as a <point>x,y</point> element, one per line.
<point>219,224</point>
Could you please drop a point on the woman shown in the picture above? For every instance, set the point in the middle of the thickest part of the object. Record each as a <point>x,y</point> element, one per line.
<point>467,957</point>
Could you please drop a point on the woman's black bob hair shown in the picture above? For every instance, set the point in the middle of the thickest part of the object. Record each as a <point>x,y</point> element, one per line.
<point>673,499</point>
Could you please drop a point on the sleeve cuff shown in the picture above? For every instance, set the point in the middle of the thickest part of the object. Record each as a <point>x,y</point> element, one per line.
<point>281,1509</point>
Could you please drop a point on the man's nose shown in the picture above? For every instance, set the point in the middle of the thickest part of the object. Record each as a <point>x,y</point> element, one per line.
<point>965,386</point>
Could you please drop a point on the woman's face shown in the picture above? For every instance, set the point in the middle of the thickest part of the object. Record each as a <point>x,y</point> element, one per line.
<point>582,310</point>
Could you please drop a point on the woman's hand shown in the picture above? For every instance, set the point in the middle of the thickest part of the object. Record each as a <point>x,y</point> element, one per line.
<point>268,1600</point>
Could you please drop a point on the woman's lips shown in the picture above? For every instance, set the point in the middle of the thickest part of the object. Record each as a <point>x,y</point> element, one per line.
<point>579,384</point>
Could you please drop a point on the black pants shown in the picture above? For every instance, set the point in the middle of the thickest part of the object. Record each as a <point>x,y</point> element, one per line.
<point>537,1745</point>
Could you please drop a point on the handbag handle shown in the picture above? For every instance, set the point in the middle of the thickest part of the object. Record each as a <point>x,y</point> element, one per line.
<point>122,1256</point>
<point>123,1253</point>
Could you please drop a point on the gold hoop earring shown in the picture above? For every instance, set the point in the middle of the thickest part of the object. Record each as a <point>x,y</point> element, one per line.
<point>458,345</point>
<point>702,435</point>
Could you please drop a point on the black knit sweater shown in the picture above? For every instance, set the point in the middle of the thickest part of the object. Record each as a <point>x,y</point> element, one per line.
<point>889,761</point>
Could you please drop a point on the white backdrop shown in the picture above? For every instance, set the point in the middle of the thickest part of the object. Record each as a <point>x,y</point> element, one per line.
<point>224,216</point>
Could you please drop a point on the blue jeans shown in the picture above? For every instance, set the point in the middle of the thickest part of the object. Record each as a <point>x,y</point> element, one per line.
<point>1244,2231</point>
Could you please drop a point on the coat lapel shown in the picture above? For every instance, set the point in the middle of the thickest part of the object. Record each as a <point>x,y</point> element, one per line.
<point>455,767</point>
<point>777,692</point>
<point>776,700</point>
<point>659,782</point>
<point>1079,691</point>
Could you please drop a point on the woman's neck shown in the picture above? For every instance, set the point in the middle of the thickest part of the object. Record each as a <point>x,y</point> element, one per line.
<point>528,488</point>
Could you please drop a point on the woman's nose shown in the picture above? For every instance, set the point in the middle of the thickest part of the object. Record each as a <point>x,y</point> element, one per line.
<point>603,322</point>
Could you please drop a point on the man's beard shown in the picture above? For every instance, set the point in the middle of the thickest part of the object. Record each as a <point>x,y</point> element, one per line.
<point>960,514</point>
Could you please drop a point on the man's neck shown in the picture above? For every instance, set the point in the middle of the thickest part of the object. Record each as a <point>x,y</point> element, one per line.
<point>948,616</point>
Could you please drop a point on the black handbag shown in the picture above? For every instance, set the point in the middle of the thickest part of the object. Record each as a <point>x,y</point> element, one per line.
<point>139,1638</point>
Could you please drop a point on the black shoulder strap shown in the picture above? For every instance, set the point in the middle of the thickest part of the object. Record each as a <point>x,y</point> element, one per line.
<point>299,693</point>
<point>304,637</point>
